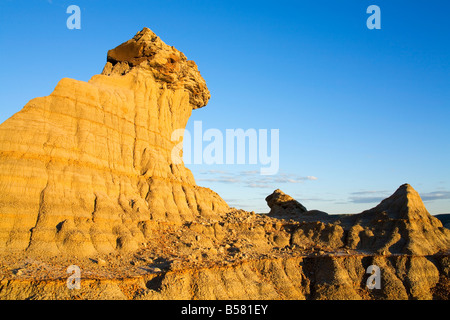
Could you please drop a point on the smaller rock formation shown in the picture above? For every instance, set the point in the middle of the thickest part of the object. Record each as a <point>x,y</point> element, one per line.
<point>284,206</point>
<point>281,204</point>
<point>400,224</point>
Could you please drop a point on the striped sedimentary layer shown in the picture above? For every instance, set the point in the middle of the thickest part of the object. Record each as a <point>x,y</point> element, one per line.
<point>86,168</point>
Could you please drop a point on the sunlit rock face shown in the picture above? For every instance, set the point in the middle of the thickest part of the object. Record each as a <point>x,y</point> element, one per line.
<point>89,168</point>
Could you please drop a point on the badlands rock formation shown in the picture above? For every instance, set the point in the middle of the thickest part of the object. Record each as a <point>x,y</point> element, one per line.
<point>283,204</point>
<point>88,178</point>
<point>89,168</point>
<point>252,256</point>
<point>399,224</point>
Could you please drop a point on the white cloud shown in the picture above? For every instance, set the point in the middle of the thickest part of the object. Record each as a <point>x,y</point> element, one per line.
<point>252,178</point>
<point>259,185</point>
<point>358,193</point>
<point>366,199</point>
<point>221,180</point>
<point>435,195</point>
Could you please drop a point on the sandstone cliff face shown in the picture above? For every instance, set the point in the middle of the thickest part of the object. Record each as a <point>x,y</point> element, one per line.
<point>87,168</point>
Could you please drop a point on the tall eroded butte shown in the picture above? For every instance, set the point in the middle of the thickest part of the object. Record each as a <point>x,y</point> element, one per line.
<point>88,169</point>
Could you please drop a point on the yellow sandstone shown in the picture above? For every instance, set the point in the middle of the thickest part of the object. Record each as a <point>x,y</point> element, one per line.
<point>88,168</point>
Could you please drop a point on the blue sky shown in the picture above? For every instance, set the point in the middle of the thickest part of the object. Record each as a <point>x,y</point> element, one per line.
<point>359,111</point>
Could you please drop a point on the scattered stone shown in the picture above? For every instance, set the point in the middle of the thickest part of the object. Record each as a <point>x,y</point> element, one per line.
<point>18,272</point>
<point>102,262</point>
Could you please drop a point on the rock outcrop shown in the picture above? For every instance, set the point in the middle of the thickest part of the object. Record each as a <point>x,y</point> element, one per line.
<point>89,168</point>
<point>400,224</point>
<point>283,204</point>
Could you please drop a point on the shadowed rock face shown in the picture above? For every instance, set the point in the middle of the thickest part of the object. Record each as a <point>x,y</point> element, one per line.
<point>89,167</point>
<point>445,219</point>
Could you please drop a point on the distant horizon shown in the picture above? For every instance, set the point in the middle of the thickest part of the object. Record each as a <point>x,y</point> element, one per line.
<point>359,111</point>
